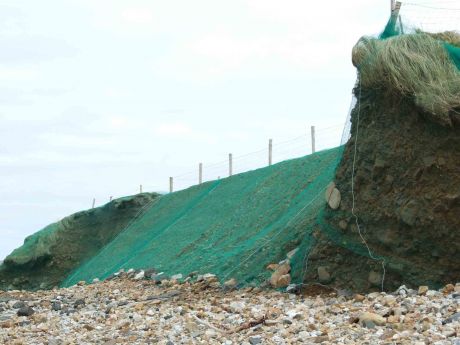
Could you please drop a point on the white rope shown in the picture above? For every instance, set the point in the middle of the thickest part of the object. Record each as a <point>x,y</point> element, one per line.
<point>353,188</point>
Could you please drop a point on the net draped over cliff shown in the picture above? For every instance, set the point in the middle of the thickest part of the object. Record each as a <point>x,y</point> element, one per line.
<point>236,226</point>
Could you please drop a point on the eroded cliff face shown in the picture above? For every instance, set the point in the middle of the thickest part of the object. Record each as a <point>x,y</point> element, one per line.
<point>407,200</point>
<point>49,255</point>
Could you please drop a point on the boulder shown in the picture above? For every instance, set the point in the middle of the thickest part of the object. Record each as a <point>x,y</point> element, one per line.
<point>333,196</point>
<point>422,290</point>
<point>26,311</point>
<point>369,320</point>
<point>277,279</point>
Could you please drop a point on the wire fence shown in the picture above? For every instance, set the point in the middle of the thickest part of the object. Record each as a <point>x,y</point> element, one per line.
<point>431,16</point>
<point>323,138</point>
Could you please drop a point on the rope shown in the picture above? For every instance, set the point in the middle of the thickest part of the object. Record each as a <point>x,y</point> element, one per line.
<point>432,7</point>
<point>353,189</point>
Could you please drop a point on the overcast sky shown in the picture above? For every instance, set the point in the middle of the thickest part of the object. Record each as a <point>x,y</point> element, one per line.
<point>97,97</point>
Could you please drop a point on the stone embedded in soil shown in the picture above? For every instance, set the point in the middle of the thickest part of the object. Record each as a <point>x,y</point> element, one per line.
<point>283,281</point>
<point>330,187</point>
<point>333,196</point>
<point>343,224</point>
<point>324,276</point>
<point>334,199</point>
<point>272,267</point>
<point>374,278</point>
<point>277,279</point>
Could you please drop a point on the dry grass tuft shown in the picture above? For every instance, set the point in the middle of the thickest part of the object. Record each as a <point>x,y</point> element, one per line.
<point>416,66</point>
<point>451,37</point>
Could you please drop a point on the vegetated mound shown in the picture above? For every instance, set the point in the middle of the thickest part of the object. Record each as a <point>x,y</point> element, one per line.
<point>49,255</point>
<point>403,165</point>
<point>232,227</point>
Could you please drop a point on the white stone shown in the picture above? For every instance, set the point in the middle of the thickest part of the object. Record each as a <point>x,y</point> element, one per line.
<point>139,275</point>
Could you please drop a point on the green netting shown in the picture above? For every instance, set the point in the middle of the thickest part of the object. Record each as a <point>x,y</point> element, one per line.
<point>450,40</point>
<point>392,28</point>
<point>236,226</point>
<point>418,65</point>
<point>454,53</point>
<point>47,256</point>
<point>232,227</point>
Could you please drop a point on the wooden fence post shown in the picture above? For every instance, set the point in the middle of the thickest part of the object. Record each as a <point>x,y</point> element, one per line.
<point>140,188</point>
<point>94,202</point>
<point>313,148</point>
<point>200,173</point>
<point>270,151</point>
<point>171,186</point>
<point>230,164</point>
<point>395,14</point>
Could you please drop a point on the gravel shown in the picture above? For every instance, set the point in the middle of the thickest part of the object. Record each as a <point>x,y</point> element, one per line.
<point>139,311</point>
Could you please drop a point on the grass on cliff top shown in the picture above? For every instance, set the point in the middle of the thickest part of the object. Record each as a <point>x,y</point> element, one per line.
<point>417,66</point>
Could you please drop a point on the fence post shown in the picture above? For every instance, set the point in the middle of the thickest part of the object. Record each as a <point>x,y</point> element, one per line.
<point>313,149</point>
<point>230,164</point>
<point>140,188</point>
<point>395,14</point>
<point>111,197</point>
<point>270,151</point>
<point>94,202</point>
<point>171,185</point>
<point>200,173</point>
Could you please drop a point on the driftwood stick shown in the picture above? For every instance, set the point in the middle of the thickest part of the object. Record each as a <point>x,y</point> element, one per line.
<point>246,325</point>
<point>249,324</point>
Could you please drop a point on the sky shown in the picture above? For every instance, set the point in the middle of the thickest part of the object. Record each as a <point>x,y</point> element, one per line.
<point>98,97</point>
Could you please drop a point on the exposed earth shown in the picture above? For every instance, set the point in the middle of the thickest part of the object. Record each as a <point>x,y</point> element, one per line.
<point>407,201</point>
<point>49,255</point>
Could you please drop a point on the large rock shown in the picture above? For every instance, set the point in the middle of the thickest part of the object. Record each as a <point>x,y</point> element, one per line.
<point>333,197</point>
<point>26,311</point>
<point>369,320</point>
<point>278,278</point>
